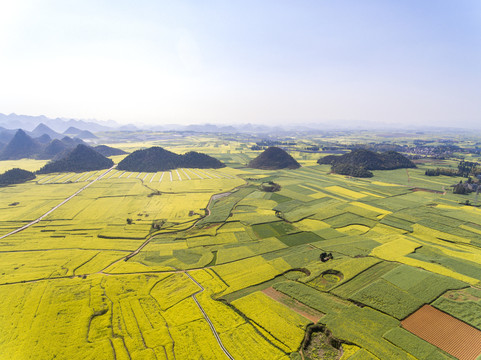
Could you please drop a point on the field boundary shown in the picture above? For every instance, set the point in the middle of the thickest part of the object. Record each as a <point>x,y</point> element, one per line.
<point>58,205</point>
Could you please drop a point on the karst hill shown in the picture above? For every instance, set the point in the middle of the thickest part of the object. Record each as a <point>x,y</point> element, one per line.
<point>15,176</point>
<point>108,150</point>
<point>274,158</point>
<point>42,129</point>
<point>20,146</point>
<point>82,158</point>
<point>358,162</point>
<point>23,146</point>
<point>158,159</point>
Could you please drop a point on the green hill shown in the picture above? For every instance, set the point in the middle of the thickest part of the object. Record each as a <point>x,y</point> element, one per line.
<point>358,162</point>
<point>82,158</point>
<point>15,176</point>
<point>108,151</point>
<point>158,159</point>
<point>197,160</point>
<point>54,148</point>
<point>274,158</point>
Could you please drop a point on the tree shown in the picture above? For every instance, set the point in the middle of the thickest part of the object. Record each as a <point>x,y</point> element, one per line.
<point>460,189</point>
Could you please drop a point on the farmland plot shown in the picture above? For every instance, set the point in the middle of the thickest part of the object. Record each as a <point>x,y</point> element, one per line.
<point>109,270</point>
<point>445,332</point>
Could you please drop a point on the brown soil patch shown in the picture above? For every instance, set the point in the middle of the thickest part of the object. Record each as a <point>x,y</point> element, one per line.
<point>298,307</point>
<point>446,332</point>
<point>427,190</point>
<point>460,296</point>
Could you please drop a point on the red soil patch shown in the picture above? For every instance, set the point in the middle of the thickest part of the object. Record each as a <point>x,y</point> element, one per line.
<point>446,332</point>
<point>298,307</point>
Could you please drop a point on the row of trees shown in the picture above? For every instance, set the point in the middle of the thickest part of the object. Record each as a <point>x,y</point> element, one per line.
<point>465,169</point>
<point>441,171</point>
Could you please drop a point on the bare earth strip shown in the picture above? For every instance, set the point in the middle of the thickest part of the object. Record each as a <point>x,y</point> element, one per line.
<point>444,331</point>
<point>294,305</point>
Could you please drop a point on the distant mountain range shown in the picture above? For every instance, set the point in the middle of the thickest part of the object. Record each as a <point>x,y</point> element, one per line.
<point>73,127</point>
<point>44,133</point>
<point>21,145</point>
<point>26,122</point>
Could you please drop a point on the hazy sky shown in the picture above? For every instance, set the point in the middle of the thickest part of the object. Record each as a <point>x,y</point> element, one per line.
<point>274,62</point>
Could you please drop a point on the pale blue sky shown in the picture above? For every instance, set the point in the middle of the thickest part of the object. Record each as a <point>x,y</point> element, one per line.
<point>272,62</point>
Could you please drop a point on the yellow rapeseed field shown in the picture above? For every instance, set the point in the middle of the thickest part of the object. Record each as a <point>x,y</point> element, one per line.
<point>282,323</point>
<point>26,164</point>
<point>246,272</point>
<point>345,192</point>
<point>67,291</point>
<point>395,249</point>
<point>173,289</point>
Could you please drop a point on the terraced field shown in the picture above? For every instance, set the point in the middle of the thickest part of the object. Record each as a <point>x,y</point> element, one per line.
<point>203,264</point>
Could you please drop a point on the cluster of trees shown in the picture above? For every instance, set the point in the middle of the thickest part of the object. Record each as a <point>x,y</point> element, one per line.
<point>262,145</point>
<point>441,171</point>
<point>358,162</point>
<point>274,143</point>
<point>460,189</point>
<point>157,225</point>
<point>465,169</point>
<point>325,256</point>
<point>351,170</point>
<point>465,188</point>
<point>15,176</point>
<point>158,159</point>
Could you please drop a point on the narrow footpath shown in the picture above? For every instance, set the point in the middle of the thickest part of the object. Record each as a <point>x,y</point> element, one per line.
<point>57,206</point>
<point>206,317</point>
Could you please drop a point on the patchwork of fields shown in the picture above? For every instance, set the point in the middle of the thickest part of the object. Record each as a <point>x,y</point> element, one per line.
<point>188,263</point>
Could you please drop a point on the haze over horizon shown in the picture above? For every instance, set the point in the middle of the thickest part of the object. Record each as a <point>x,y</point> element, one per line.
<point>410,62</point>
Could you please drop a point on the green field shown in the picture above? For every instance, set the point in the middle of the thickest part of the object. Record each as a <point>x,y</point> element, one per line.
<point>131,266</point>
